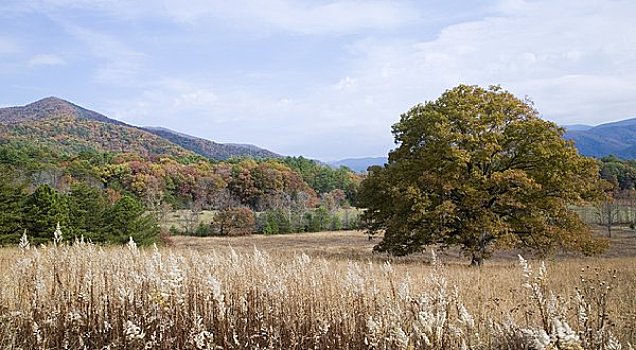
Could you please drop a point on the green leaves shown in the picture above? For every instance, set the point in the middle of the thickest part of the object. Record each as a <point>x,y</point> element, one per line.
<point>478,168</point>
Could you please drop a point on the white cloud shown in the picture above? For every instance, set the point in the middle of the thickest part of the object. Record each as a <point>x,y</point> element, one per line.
<point>576,60</point>
<point>8,46</point>
<point>332,17</point>
<point>116,62</point>
<point>296,16</point>
<point>47,60</point>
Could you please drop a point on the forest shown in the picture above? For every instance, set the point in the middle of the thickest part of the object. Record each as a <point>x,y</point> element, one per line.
<point>109,197</point>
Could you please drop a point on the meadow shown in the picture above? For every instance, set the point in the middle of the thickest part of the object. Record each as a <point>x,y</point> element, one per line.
<point>311,291</point>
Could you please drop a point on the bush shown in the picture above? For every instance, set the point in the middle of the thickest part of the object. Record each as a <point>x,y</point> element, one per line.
<point>234,222</point>
<point>204,230</point>
<point>318,221</point>
<point>174,230</point>
<point>276,222</point>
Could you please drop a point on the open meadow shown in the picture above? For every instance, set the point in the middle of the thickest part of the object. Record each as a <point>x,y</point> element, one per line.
<point>311,291</point>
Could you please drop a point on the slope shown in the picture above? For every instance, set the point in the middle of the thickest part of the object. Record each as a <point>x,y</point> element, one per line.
<point>66,127</point>
<point>617,138</point>
<point>211,149</point>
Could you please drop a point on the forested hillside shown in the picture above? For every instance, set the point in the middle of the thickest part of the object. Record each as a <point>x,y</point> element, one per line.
<point>618,139</point>
<point>68,128</point>
<point>109,196</point>
<point>210,149</point>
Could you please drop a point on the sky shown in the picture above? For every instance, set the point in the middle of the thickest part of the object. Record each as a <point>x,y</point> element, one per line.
<point>325,79</point>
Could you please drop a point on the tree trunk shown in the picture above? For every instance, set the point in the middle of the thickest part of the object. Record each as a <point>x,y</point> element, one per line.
<point>480,254</point>
<point>477,260</point>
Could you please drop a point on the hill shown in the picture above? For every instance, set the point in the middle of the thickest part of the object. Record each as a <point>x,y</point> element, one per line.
<point>211,149</point>
<point>359,164</point>
<point>66,127</point>
<point>577,127</point>
<point>50,108</point>
<point>617,138</point>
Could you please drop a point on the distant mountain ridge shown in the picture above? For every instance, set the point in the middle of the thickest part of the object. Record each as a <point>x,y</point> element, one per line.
<point>577,127</point>
<point>616,138</point>
<point>65,126</point>
<point>211,149</point>
<point>359,165</point>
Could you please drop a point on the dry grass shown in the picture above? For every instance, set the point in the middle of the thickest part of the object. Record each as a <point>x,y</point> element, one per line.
<point>313,291</point>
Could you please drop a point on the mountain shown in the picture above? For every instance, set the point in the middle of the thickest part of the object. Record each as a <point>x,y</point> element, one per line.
<point>51,108</point>
<point>66,127</point>
<point>359,164</point>
<point>617,138</point>
<point>210,149</point>
<point>577,127</point>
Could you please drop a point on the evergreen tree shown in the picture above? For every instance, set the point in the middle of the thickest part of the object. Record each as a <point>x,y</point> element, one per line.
<point>12,197</point>
<point>87,206</point>
<point>127,218</point>
<point>43,210</point>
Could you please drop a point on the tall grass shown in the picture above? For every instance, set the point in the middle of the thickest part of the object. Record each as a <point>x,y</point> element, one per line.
<point>88,297</point>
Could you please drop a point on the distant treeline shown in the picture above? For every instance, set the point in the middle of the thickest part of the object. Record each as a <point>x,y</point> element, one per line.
<point>621,174</point>
<point>131,184</point>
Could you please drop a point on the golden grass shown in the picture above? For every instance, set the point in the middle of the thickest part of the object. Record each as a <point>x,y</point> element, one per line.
<point>313,291</point>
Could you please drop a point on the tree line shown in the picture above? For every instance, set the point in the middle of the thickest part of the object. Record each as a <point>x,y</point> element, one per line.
<point>83,211</point>
<point>124,182</point>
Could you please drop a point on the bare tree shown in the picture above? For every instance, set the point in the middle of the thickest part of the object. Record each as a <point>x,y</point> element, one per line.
<point>607,213</point>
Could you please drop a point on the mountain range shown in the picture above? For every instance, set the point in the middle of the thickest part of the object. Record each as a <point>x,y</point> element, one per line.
<point>616,138</point>
<point>359,165</point>
<point>66,127</point>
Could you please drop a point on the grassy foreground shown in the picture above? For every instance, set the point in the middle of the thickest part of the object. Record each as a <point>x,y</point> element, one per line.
<point>215,297</point>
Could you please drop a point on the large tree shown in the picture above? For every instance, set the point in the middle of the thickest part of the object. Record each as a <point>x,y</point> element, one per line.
<point>478,168</point>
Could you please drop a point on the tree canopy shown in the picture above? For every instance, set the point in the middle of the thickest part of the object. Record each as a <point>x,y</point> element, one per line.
<point>479,168</point>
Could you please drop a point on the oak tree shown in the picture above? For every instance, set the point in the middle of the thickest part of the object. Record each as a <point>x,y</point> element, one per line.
<point>478,168</point>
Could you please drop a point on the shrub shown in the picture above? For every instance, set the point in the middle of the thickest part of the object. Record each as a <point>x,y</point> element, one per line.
<point>234,222</point>
<point>275,222</point>
<point>203,230</point>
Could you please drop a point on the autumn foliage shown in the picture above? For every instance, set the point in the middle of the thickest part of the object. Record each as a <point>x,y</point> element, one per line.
<point>478,168</point>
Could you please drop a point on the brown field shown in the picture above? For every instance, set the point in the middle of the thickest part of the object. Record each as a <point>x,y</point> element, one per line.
<point>356,245</point>
<point>311,291</point>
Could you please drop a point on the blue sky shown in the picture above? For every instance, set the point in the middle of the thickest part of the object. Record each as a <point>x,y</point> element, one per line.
<point>323,79</point>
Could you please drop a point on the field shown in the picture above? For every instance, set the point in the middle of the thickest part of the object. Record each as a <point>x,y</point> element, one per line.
<point>311,291</point>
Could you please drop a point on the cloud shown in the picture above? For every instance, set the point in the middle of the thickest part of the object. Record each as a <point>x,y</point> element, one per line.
<point>333,17</point>
<point>8,46</point>
<point>295,16</point>
<point>117,63</point>
<point>328,78</point>
<point>575,66</point>
<point>47,60</point>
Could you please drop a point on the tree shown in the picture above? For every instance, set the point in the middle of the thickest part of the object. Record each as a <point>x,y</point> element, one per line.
<point>234,222</point>
<point>44,209</point>
<point>607,212</point>
<point>479,169</point>
<point>127,218</point>
<point>86,207</point>
<point>11,200</point>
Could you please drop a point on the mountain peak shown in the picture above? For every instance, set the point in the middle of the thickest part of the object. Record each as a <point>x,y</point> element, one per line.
<point>51,99</point>
<point>102,136</point>
<point>50,108</point>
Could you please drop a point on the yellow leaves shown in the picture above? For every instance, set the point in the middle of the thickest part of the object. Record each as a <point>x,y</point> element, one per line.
<point>486,159</point>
